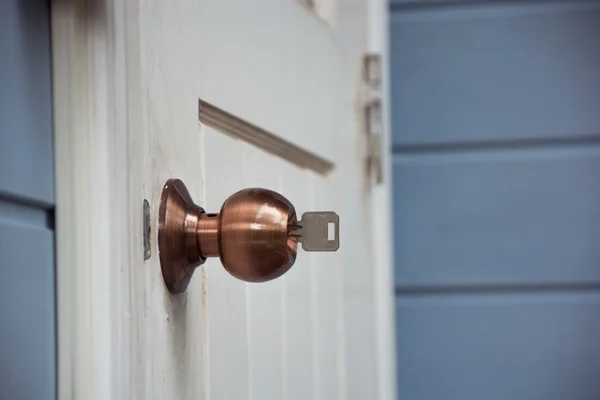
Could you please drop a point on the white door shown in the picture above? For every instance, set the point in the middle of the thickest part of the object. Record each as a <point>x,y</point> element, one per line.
<point>224,95</point>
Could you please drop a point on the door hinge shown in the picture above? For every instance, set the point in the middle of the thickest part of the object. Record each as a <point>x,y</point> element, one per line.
<point>373,115</point>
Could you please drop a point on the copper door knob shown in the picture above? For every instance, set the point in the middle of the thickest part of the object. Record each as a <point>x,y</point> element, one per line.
<point>255,234</point>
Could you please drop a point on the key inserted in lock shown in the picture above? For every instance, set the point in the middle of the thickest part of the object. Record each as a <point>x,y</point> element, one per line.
<point>319,231</point>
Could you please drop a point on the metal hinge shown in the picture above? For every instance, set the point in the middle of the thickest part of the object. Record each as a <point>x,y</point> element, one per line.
<point>373,115</point>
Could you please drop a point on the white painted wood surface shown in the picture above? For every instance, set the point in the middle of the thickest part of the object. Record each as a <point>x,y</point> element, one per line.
<point>95,210</point>
<point>381,214</point>
<point>127,79</point>
<point>276,55</point>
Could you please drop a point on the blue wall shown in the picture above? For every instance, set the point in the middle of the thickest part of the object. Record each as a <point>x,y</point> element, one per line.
<point>27,305</point>
<point>496,157</point>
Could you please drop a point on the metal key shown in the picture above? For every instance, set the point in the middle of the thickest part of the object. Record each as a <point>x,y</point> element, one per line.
<point>314,228</point>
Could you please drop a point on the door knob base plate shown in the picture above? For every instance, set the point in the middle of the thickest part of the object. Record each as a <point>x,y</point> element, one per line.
<point>178,248</point>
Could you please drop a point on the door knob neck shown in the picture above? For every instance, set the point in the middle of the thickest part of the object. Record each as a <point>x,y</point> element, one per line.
<point>208,235</point>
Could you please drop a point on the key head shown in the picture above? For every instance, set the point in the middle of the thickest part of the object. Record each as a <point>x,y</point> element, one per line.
<point>320,231</point>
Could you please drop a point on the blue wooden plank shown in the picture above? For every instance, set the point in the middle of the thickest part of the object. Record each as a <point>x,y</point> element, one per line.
<point>499,347</point>
<point>511,71</point>
<point>515,217</point>
<point>438,4</point>
<point>27,316</point>
<point>20,214</point>
<point>26,152</point>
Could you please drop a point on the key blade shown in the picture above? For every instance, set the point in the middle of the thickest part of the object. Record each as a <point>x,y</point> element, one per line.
<point>316,229</point>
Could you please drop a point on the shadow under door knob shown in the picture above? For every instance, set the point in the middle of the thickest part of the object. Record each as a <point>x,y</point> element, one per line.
<point>255,234</point>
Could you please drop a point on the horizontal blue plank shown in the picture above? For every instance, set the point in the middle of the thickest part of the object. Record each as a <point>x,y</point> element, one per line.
<point>26,149</point>
<point>512,71</point>
<point>27,314</point>
<point>514,217</point>
<point>412,4</point>
<point>498,347</point>
<point>14,213</point>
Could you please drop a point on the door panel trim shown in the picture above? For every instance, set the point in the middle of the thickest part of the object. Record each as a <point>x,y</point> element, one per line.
<point>240,129</point>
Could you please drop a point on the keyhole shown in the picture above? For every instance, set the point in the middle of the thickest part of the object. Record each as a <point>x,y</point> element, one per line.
<point>330,231</point>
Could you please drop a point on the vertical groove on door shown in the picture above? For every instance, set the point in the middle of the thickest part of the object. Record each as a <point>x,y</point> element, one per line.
<point>265,326</point>
<point>313,291</point>
<point>297,282</point>
<point>246,175</point>
<point>284,333</point>
<point>204,272</point>
<point>226,295</point>
<point>325,301</point>
<point>339,275</point>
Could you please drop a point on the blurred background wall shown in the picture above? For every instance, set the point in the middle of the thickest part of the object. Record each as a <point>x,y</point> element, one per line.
<point>27,293</point>
<point>496,160</point>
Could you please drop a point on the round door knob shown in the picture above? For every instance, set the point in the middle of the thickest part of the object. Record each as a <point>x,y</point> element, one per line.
<point>255,234</point>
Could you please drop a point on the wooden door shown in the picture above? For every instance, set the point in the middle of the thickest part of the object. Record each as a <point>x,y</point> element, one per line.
<point>223,95</point>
